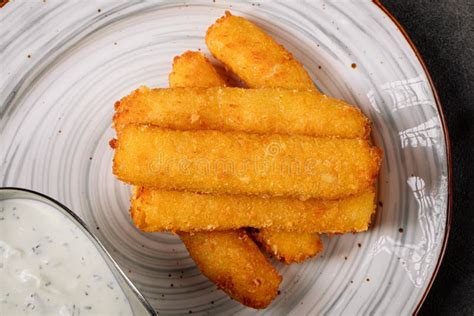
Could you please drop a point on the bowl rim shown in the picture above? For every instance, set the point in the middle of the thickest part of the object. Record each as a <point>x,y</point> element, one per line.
<point>79,222</point>
<point>447,141</point>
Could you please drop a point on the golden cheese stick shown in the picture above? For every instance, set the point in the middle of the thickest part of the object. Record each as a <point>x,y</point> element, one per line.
<point>254,56</point>
<point>261,111</point>
<point>289,247</point>
<point>160,210</point>
<point>234,262</point>
<point>230,259</point>
<point>286,247</point>
<point>232,162</point>
<point>193,69</point>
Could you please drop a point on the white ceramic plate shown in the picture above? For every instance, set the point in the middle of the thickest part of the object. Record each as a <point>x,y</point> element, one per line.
<point>63,64</point>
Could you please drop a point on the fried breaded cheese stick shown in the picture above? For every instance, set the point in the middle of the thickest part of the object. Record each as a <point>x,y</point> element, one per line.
<point>193,69</point>
<point>261,111</point>
<point>240,163</point>
<point>235,264</point>
<point>289,247</point>
<point>254,56</point>
<point>286,247</point>
<point>160,210</point>
<point>230,259</point>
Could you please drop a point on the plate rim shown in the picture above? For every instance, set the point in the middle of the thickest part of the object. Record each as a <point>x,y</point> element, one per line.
<point>447,140</point>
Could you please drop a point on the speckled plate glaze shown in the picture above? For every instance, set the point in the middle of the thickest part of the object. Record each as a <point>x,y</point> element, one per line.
<point>63,64</point>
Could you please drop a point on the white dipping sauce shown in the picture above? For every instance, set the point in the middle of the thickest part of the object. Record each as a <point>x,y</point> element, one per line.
<point>48,266</point>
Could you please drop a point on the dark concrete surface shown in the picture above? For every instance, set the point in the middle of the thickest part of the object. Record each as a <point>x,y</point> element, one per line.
<point>443,32</point>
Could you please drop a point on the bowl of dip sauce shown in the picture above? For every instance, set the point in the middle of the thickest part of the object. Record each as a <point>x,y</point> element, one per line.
<point>51,264</point>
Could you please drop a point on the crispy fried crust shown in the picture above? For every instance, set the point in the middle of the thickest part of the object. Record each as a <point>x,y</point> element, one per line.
<point>289,247</point>
<point>240,163</point>
<point>233,261</point>
<point>160,210</point>
<point>254,56</point>
<point>193,69</point>
<point>261,111</point>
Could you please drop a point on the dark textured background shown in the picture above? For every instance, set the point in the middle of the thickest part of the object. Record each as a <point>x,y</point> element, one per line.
<point>443,32</point>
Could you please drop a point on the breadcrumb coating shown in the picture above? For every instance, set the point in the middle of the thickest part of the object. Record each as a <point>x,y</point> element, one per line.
<point>239,163</point>
<point>254,56</point>
<point>261,111</point>
<point>289,247</point>
<point>160,210</point>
